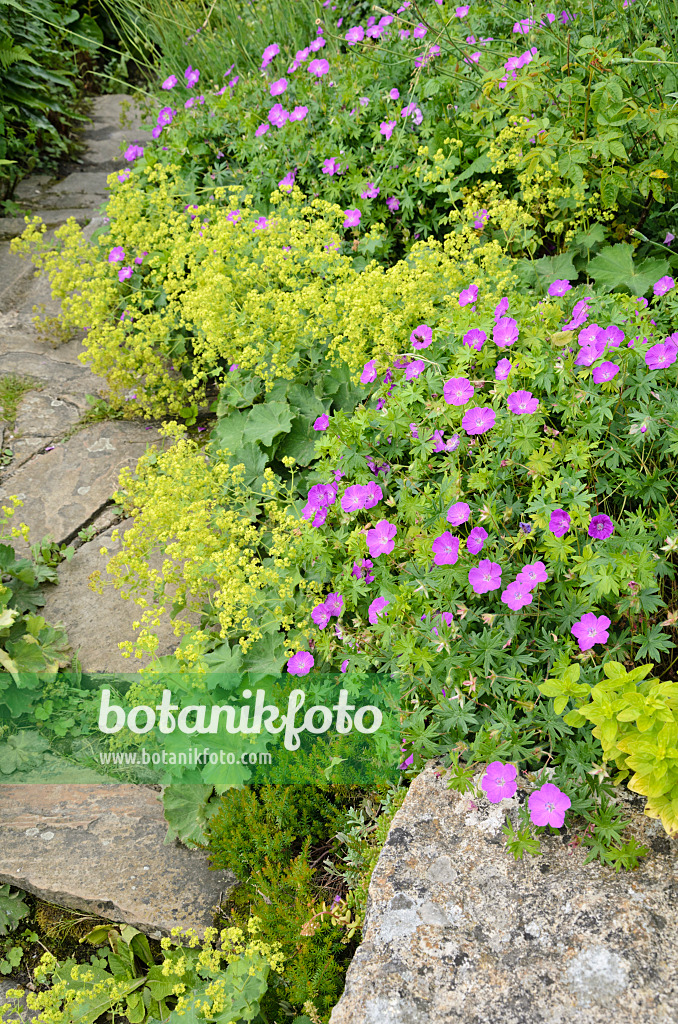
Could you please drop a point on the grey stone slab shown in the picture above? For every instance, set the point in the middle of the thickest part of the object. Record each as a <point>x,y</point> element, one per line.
<point>459,932</point>
<point>97,623</point>
<point>20,1011</point>
<point>47,413</point>
<point>63,488</point>
<point>100,850</point>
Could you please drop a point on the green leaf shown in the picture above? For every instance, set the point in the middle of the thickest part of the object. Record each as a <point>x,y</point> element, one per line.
<point>557,267</point>
<point>266,421</point>
<point>187,810</point>
<point>614,267</point>
<point>12,909</point>
<point>24,750</point>
<point>227,433</point>
<point>266,656</point>
<point>253,459</point>
<point>300,442</point>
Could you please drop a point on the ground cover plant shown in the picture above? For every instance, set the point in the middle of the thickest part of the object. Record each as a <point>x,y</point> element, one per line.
<point>420,275</point>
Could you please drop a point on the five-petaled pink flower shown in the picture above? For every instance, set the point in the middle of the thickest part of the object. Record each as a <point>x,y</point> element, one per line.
<point>458,513</point>
<point>605,372</point>
<point>475,338</point>
<point>502,369</point>
<point>547,805</point>
<point>369,373</point>
<point>478,421</point>
<point>468,295</point>
<point>663,285</point>
<point>421,336</point>
<point>559,287</point>
<point>590,630</point>
<point>559,523</point>
<point>505,332</point>
<point>601,527</point>
<point>446,549</point>
<point>530,575</point>
<point>476,539</point>
<point>522,402</point>
<point>517,595</point>
<point>376,609</point>
<point>322,423</point>
<point>414,369</point>
<point>279,87</point>
<point>661,356</point>
<point>499,781</point>
<point>386,128</point>
<point>355,35</point>
<point>458,391</point>
<point>484,577</point>
<point>116,254</point>
<point>352,218</point>
<point>319,67</point>
<point>300,664</point>
<point>380,540</point>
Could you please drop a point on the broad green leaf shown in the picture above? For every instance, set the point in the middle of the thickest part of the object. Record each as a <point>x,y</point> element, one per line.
<point>554,267</point>
<point>228,431</point>
<point>300,442</point>
<point>266,421</point>
<point>614,267</point>
<point>187,811</point>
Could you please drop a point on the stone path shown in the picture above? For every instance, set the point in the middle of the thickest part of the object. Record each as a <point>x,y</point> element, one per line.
<point>95,848</point>
<point>458,932</point>
<point>65,471</point>
<point>99,849</point>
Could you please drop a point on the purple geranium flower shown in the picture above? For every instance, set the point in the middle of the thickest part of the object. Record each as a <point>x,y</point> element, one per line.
<point>458,513</point>
<point>522,402</point>
<point>116,254</point>
<point>559,523</point>
<point>517,595</point>
<point>376,609</point>
<point>334,604</point>
<point>321,615</point>
<point>352,218</point>
<point>606,371</point>
<point>445,549</point>
<point>547,805</point>
<point>663,285</point>
<point>125,273</point>
<point>501,307</point>
<point>458,391</point>
<point>502,369</point>
<point>482,216</point>
<point>298,114</point>
<point>591,629</point>
<point>478,421</point>
<point>559,287</point>
<point>475,338</point>
<point>386,128</point>
<point>499,781</point>
<point>134,152</point>
<point>322,423</point>
<point>355,35</point>
<point>373,495</point>
<point>371,192</point>
<point>505,332</point>
<point>414,368</point>
<point>192,76</point>
<point>319,67</point>
<point>279,87</point>
<point>380,540</point>
<point>369,373</point>
<point>331,166</point>
<point>262,129</point>
<point>170,82</point>
<point>601,527</point>
<point>300,664</point>
<point>530,575</point>
<point>269,53</point>
<point>661,356</point>
<point>476,539</point>
<point>468,295</point>
<point>393,204</point>
<point>421,336</point>
<point>484,577</point>
<point>353,498</point>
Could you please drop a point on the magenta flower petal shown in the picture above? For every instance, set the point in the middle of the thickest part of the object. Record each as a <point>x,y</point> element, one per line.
<point>499,781</point>
<point>458,513</point>
<point>300,664</point>
<point>590,630</point>
<point>376,609</point>
<point>476,539</point>
<point>421,336</point>
<point>478,421</point>
<point>485,577</point>
<point>601,527</point>
<point>559,522</point>
<point>446,549</point>
<point>547,806</point>
<point>458,391</point>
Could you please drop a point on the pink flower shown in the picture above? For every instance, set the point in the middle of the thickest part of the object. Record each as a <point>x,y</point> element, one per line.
<point>191,75</point>
<point>458,391</point>
<point>501,307</point>
<point>421,336</point>
<point>663,285</point>
<point>369,373</point>
<point>279,87</point>
<point>475,338</point>
<point>322,423</point>
<point>416,367</point>
<point>601,527</point>
<point>262,129</point>
<point>393,204</point>
<point>458,513</point>
<point>547,806</point>
<point>559,287</point>
<point>530,575</point>
<point>478,421</point>
<point>380,540</point>
<point>476,540</point>
<point>344,665</point>
<point>485,577</point>
<point>319,67</point>
<point>298,114</point>
<point>522,402</point>
<point>394,95</point>
<point>502,369</point>
<point>468,295</point>
<point>419,31</point>
<point>116,254</point>
<point>461,12</point>
<point>505,332</point>
<point>590,630</point>
<point>334,604</point>
<point>386,128</point>
<point>606,371</point>
<point>499,781</point>
<point>482,217</point>
<point>517,595</point>
<point>661,356</point>
<point>300,664</point>
<point>331,166</point>
<point>355,35</point>
<point>269,53</point>
<point>376,609</point>
<point>352,218</point>
<point>559,522</point>
<point>371,192</point>
<point>125,273</point>
<point>321,615</point>
<point>170,82</point>
<point>134,152</point>
<point>445,549</point>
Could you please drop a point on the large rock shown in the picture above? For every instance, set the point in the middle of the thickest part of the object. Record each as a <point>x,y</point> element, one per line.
<point>96,623</point>
<point>63,489</point>
<point>100,849</point>
<point>459,932</point>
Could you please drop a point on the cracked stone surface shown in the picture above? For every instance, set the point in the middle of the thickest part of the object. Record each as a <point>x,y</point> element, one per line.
<point>63,488</point>
<point>458,932</point>
<point>97,622</point>
<point>100,849</point>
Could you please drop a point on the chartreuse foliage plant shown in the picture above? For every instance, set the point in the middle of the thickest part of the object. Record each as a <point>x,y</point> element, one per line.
<point>636,721</point>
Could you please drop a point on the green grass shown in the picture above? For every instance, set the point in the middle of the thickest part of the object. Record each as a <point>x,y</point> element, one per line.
<point>12,389</point>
